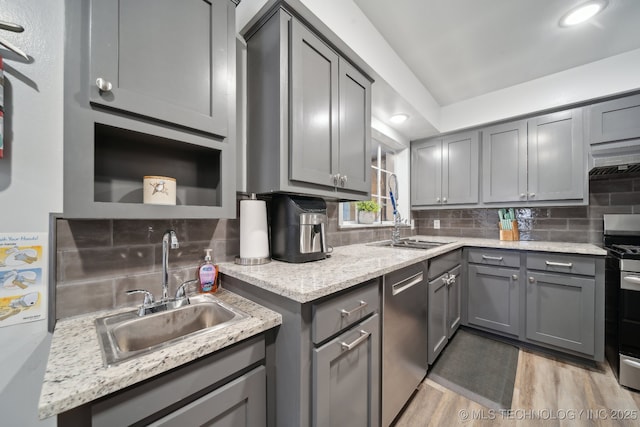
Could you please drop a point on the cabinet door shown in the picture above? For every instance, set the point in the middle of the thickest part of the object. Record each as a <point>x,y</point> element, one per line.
<point>460,158</point>
<point>164,59</point>
<point>453,301</point>
<point>346,378</point>
<point>561,311</point>
<point>242,402</point>
<point>504,162</point>
<point>355,129</point>
<point>313,145</point>
<point>493,298</point>
<point>426,173</point>
<point>615,120</point>
<point>437,323</point>
<point>556,156</point>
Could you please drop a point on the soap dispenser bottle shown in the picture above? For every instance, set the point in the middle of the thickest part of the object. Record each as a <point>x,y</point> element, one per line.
<point>208,275</point>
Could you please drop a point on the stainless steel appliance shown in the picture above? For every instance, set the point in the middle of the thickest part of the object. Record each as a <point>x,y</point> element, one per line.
<point>404,337</point>
<point>622,297</point>
<point>298,226</point>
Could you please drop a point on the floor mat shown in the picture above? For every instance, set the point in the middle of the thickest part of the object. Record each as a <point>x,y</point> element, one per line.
<point>479,368</point>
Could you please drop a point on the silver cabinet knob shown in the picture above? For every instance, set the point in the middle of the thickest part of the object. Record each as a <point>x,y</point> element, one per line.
<point>438,199</point>
<point>343,180</point>
<point>335,178</point>
<point>532,280</point>
<point>522,195</point>
<point>444,200</point>
<point>103,85</point>
<point>532,195</point>
<point>514,277</point>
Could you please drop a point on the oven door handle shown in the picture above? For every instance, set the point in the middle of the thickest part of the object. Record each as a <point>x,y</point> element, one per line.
<point>631,363</point>
<point>630,283</point>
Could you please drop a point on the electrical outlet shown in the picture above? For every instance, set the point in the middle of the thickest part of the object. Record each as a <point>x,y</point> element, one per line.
<point>436,224</point>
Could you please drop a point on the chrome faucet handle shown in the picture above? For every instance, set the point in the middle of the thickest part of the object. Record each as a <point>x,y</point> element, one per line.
<point>182,289</point>
<point>148,299</point>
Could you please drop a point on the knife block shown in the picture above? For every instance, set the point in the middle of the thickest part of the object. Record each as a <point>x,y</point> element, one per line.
<point>513,234</point>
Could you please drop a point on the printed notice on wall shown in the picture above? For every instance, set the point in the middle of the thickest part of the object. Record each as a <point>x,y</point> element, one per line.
<point>23,277</point>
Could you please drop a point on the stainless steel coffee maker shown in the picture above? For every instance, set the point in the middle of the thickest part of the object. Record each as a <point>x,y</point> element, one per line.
<point>298,225</point>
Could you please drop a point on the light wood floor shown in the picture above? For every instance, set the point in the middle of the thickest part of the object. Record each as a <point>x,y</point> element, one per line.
<point>547,392</point>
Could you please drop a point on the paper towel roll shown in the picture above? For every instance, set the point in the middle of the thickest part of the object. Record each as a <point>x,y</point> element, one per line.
<point>254,236</point>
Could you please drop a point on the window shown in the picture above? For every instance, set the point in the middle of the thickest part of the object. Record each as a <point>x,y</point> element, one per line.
<point>385,161</point>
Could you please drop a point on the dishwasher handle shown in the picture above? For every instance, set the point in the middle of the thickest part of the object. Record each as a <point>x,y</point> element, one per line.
<point>407,283</point>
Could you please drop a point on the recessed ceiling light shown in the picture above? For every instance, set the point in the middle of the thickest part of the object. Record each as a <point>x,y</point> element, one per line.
<point>398,118</point>
<point>582,13</point>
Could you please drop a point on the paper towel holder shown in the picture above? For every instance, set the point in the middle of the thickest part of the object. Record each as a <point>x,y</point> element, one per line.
<point>252,261</point>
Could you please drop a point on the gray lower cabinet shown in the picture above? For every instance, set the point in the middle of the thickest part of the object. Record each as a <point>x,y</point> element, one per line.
<point>325,368</point>
<point>149,90</point>
<point>444,170</point>
<point>345,377</point>
<point>565,303</point>
<point>437,318</point>
<point>309,112</point>
<point>227,388</point>
<point>541,159</point>
<point>241,403</point>
<point>493,298</point>
<point>444,301</point>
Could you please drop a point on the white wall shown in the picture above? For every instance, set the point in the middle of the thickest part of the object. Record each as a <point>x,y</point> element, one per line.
<point>617,74</point>
<point>30,181</point>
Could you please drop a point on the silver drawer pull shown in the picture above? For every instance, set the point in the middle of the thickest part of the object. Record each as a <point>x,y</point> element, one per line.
<point>345,313</point>
<point>559,264</point>
<point>405,284</point>
<point>631,363</point>
<point>492,258</point>
<point>363,337</point>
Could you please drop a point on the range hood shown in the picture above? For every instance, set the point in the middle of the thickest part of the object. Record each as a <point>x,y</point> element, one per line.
<point>612,158</point>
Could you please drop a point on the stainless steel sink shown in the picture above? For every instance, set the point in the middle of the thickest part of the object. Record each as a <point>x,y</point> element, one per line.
<point>411,244</point>
<point>127,335</point>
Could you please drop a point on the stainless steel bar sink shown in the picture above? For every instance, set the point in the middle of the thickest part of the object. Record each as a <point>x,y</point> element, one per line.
<point>126,335</point>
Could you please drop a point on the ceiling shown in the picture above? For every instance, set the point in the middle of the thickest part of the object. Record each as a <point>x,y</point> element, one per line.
<point>461,49</point>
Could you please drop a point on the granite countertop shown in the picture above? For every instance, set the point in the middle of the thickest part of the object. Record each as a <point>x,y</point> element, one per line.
<point>350,265</point>
<point>76,375</point>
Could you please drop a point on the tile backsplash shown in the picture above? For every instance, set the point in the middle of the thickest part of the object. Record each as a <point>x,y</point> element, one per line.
<point>579,224</point>
<point>98,260</point>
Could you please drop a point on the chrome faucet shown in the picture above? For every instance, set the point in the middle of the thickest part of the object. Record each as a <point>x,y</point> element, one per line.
<point>395,234</point>
<point>169,238</point>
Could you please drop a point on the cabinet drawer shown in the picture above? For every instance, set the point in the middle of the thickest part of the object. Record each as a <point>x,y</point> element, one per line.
<point>444,263</point>
<point>495,257</point>
<point>561,263</point>
<point>335,314</point>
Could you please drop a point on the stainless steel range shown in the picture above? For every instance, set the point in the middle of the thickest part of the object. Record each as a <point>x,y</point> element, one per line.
<point>622,296</point>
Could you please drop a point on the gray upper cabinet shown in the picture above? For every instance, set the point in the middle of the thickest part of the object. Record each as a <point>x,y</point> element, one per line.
<point>314,108</point>
<point>149,90</point>
<point>541,159</point>
<point>162,59</point>
<point>444,171</point>
<point>309,113</point>
<point>504,162</point>
<point>555,154</point>
<point>615,120</point>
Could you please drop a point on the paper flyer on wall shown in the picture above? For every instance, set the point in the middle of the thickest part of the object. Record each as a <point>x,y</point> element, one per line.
<point>23,277</point>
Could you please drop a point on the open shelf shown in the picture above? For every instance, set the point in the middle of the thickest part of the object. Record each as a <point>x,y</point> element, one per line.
<point>123,157</point>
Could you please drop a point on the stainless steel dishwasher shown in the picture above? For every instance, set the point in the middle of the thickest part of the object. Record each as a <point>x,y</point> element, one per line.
<point>404,337</point>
